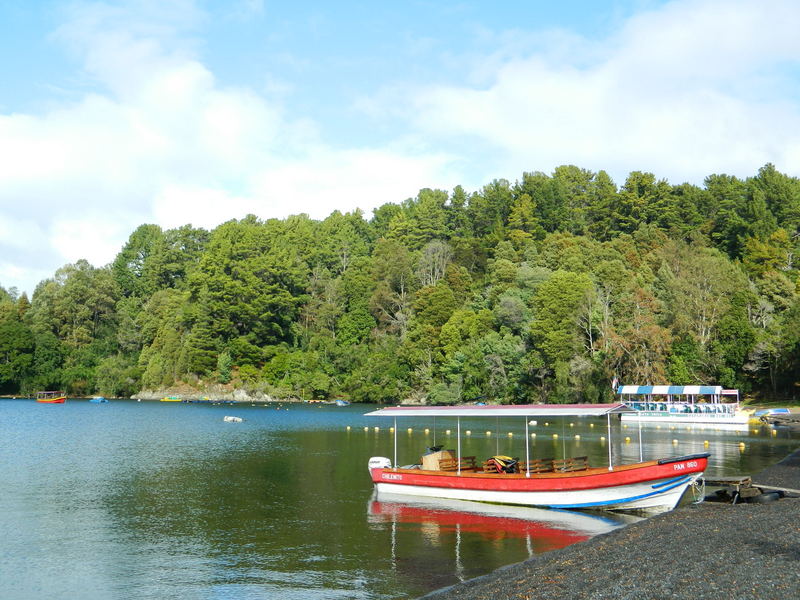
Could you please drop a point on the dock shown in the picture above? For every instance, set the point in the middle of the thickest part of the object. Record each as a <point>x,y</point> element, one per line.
<point>742,488</point>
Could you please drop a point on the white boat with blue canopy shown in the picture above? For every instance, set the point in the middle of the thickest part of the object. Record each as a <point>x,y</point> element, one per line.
<point>692,404</point>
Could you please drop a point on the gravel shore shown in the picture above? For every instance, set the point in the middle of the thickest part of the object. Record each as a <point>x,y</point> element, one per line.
<point>703,551</point>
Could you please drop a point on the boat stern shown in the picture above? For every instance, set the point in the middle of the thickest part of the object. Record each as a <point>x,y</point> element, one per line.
<point>377,463</point>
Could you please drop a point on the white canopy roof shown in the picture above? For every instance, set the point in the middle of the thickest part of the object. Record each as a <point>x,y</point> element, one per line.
<point>503,410</point>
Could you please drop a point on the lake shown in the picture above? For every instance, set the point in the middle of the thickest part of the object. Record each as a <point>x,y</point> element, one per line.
<point>165,500</point>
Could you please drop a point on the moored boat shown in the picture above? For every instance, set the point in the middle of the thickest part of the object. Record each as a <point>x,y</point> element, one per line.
<point>53,397</point>
<point>171,399</point>
<point>98,400</point>
<point>568,483</point>
<point>690,404</point>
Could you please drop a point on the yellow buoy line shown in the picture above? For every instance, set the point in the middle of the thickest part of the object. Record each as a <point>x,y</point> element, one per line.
<point>577,437</point>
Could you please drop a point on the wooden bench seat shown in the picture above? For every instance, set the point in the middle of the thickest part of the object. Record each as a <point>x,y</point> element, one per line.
<point>537,465</point>
<point>576,463</point>
<point>468,463</point>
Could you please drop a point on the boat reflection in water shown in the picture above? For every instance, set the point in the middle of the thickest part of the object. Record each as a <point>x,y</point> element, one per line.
<point>539,529</point>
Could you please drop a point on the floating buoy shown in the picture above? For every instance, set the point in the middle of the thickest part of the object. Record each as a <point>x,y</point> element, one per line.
<point>547,424</point>
<point>510,434</point>
<point>627,440</point>
<point>427,430</point>
<point>533,435</point>
<point>377,428</point>
<point>531,422</point>
<point>348,428</point>
<point>741,446</point>
<point>602,438</point>
<point>409,430</point>
<point>572,424</point>
<point>591,424</point>
<point>488,433</point>
<point>577,436</point>
<point>447,431</point>
<point>555,436</point>
<point>468,432</point>
<point>674,442</point>
<point>391,429</point>
<point>624,426</point>
<point>705,443</point>
<point>366,428</point>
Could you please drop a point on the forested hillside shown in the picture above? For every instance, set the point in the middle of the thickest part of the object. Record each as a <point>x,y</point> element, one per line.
<point>543,289</point>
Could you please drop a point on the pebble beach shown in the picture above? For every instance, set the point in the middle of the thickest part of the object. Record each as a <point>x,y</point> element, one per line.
<point>700,551</point>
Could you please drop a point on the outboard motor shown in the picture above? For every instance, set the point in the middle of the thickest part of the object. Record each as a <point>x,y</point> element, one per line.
<point>379,462</point>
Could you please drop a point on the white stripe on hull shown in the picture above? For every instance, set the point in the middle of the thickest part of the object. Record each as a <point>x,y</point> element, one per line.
<point>693,419</point>
<point>647,496</point>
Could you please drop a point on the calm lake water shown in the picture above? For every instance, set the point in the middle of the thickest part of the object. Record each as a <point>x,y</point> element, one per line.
<point>165,500</point>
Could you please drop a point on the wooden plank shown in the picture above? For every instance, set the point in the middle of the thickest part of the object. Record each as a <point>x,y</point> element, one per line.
<point>776,488</point>
<point>738,480</point>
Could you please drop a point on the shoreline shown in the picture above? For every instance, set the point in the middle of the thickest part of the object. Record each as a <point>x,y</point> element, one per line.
<point>709,550</point>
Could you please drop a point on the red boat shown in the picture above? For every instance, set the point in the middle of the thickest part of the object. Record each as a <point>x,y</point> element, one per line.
<point>651,486</point>
<point>51,397</point>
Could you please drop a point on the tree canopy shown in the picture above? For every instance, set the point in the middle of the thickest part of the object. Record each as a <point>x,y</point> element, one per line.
<point>541,289</point>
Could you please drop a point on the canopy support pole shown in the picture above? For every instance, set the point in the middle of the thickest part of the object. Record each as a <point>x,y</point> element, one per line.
<point>527,450</point>
<point>610,465</point>
<point>395,442</point>
<point>458,435</point>
<point>641,451</point>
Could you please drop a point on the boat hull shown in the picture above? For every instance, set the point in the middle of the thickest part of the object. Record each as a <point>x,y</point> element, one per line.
<point>739,419</point>
<point>650,487</point>
<point>51,400</point>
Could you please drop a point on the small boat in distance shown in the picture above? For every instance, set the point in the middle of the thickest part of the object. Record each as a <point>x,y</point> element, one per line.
<point>567,483</point>
<point>53,397</point>
<point>98,399</point>
<point>171,399</point>
<point>340,402</point>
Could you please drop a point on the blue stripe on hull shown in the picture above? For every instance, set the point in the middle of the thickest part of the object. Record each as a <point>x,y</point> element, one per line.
<point>680,482</point>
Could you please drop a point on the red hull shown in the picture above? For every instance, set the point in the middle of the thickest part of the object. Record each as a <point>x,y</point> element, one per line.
<point>53,401</point>
<point>590,479</point>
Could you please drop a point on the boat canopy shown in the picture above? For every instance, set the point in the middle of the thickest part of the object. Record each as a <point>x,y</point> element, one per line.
<point>503,410</point>
<point>670,390</point>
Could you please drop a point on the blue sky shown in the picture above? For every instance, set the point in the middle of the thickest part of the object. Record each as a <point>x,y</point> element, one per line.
<point>114,114</point>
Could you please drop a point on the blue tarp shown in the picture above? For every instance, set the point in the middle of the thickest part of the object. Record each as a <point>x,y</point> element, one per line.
<point>672,390</point>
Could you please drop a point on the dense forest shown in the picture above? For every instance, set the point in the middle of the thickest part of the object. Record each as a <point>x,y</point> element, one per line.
<point>539,290</point>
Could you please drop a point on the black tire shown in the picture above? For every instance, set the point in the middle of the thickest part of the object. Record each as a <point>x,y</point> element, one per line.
<point>765,498</point>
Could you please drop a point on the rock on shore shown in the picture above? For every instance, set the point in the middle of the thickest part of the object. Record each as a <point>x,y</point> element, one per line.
<point>218,392</point>
<point>705,551</point>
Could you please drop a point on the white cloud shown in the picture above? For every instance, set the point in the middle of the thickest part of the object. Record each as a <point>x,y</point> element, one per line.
<point>685,90</point>
<point>163,142</point>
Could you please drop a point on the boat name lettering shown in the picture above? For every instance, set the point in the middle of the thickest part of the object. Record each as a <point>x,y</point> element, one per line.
<point>392,476</point>
<point>682,466</point>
